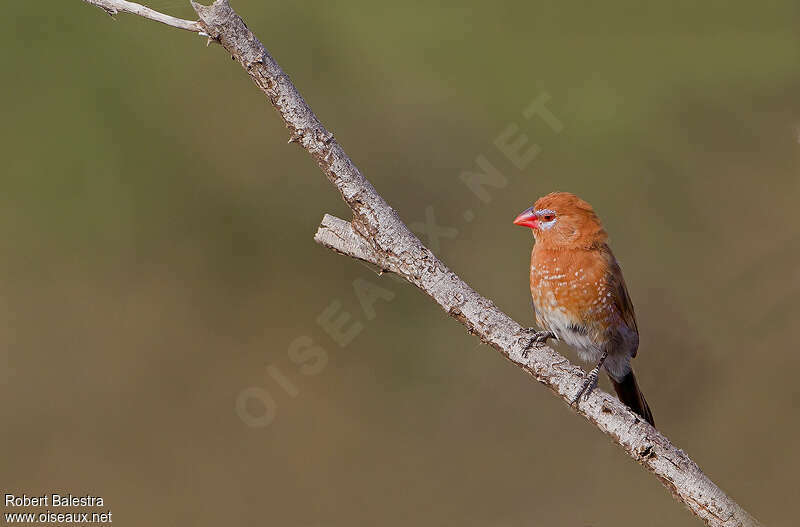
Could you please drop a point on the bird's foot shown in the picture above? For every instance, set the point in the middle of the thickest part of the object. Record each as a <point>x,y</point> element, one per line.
<point>591,381</point>
<point>588,385</point>
<point>536,337</point>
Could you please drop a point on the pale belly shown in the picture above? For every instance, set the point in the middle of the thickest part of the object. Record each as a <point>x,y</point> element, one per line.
<point>573,334</point>
<point>590,341</point>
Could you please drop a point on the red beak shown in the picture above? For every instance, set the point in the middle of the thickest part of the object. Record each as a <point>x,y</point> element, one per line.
<point>527,219</point>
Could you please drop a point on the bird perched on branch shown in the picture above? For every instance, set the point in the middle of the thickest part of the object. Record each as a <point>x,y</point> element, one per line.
<point>579,295</point>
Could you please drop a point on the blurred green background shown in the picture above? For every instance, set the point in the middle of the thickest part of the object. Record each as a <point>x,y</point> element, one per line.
<point>157,259</point>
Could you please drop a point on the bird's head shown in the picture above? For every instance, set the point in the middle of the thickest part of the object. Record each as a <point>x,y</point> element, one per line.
<point>563,220</point>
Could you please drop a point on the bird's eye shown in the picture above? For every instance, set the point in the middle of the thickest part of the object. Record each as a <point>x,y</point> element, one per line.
<point>548,217</point>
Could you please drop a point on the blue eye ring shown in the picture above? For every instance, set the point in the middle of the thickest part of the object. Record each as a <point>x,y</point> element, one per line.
<point>546,215</point>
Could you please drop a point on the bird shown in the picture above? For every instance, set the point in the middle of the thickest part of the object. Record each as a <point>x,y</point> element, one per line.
<point>579,294</point>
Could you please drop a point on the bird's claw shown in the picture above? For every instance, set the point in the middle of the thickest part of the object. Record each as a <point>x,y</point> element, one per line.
<point>588,386</point>
<point>536,337</point>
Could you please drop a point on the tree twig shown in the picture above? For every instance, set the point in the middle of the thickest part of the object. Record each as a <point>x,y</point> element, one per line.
<point>377,235</point>
<point>112,7</point>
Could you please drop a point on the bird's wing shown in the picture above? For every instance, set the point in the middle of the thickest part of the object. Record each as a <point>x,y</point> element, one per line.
<point>619,291</point>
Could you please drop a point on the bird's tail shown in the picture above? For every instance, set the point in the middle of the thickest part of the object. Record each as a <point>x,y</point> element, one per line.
<point>629,393</point>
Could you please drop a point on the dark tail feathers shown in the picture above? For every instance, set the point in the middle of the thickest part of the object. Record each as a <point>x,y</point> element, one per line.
<point>628,392</point>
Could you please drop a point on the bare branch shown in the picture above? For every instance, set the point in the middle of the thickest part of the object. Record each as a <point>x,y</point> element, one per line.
<point>377,235</point>
<point>112,7</point>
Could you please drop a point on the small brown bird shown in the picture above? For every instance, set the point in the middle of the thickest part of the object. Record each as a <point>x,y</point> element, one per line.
<point>579,295</point>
